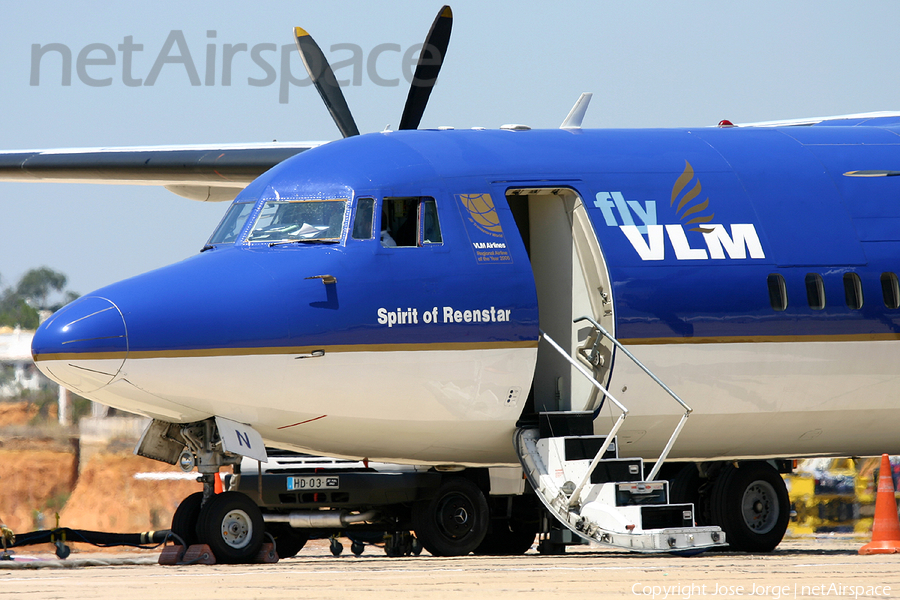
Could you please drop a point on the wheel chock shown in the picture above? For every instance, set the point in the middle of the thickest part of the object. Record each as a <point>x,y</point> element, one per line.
<point>201,554</point>
<point>266,554</point>
<point>171,555</point>
<point>198,554</point>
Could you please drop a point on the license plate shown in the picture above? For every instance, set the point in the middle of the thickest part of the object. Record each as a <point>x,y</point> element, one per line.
<point>313,482</point>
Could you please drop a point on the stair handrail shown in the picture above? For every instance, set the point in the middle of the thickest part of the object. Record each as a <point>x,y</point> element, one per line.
<point>575,498</point>
<point>587,374</point>
<point>687,409</point>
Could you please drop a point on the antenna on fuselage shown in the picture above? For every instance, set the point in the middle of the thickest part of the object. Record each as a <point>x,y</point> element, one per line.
<point>576,115</point>
<point>431,58</point>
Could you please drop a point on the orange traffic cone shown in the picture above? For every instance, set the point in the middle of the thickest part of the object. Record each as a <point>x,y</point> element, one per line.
<point>886,530</point>
<point>218,483</point>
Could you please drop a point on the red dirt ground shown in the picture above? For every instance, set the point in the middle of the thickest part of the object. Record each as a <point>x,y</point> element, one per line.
<point>33,481</point>
<point>105,497</point>
<point>17,413</point>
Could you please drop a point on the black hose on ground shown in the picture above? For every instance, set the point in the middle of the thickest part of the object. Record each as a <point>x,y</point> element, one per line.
<point>101,539</point>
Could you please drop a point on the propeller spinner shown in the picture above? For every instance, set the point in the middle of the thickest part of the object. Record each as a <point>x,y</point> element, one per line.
<point>431,58</point>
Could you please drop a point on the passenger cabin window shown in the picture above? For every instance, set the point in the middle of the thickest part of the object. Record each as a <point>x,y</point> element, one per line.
<point>777,292</point>
<point>282,221</point>
<point>409,222</point>
<point>815,291</point>
<point>232,223</point>
<point>853,291</point>
<point>364,220</point>
<point>890,290</point>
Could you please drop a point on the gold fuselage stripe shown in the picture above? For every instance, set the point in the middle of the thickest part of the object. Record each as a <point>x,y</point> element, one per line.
<point>456,346</point>
<point>285,350</point>
<point>762,339</point>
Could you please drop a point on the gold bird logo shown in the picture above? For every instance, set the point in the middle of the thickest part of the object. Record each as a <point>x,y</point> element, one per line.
<point>684,204</point>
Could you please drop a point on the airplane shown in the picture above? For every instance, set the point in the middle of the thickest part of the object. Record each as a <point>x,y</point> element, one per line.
<point>485,303</point>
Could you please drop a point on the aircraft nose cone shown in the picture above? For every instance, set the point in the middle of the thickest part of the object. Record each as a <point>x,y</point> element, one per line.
<point>83,345</point>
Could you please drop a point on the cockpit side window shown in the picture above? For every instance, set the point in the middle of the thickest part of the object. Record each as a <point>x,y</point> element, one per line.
<point>408,222</point>
<point>299,221</point>
<point>232,224</point>
<point>429,225</point>
<point>364,220</point>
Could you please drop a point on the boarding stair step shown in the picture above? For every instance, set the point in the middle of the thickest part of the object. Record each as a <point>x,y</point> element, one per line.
<point>641,493</point>
<point>598,495</point>
<point>612,470</point>
<point>586,447</point>
<point>615,506</point>
<point>565,423</point>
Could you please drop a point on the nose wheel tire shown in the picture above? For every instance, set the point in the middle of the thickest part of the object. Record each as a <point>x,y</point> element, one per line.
<point>232,525</point>
<point>184,521</point>
<point>455,521</point>
<point>751,505</point>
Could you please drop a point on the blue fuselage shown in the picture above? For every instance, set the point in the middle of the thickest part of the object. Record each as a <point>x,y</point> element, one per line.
<point>733,237</point>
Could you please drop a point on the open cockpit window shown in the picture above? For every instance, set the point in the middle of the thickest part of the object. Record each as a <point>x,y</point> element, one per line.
<point>409,222</point>
<point>232,224</point>
<point>299,221</point>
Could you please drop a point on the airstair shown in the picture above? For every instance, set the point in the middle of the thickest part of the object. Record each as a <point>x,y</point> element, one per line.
<point>599,496</point>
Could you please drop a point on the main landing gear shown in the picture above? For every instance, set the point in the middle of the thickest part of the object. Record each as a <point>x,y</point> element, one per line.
<point>748,500</point>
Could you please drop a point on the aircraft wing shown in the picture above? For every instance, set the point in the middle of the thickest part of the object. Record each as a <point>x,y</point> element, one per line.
<point>209,173</point>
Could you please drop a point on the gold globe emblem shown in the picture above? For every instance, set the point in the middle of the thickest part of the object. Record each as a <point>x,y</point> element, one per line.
<point>481,209</point>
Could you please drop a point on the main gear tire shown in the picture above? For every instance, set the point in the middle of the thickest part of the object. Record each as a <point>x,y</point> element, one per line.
<point>750,503</point>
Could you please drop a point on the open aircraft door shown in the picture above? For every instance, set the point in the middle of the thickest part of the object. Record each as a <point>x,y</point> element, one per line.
<point>572,281</point>
<point>578,475</point>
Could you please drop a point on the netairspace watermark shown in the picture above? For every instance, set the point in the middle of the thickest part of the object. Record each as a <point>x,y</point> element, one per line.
<point>102,65</point>
<point>755,590</point>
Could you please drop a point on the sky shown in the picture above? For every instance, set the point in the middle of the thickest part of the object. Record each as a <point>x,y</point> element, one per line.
<point>649,64</point>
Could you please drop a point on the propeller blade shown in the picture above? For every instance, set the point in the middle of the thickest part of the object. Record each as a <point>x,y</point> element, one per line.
<point>430,60</point>
<point>323,78</point>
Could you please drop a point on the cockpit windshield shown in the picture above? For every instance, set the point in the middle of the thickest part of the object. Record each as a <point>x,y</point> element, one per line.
<point>231,224</point>
<point>299,221</point>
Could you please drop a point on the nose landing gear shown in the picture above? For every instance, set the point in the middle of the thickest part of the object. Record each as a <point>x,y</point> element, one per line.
<point>230,523</point>
<point>232,526</point>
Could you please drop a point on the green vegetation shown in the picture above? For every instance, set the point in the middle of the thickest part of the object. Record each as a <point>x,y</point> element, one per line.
<point>58,502</point>
<point>21,305</point>
<point>15,311</point>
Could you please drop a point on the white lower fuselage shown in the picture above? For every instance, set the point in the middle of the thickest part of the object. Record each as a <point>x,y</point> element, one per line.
<point>460,407</point>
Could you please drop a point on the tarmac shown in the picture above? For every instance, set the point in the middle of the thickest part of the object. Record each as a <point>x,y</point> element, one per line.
<point>810,567</point>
